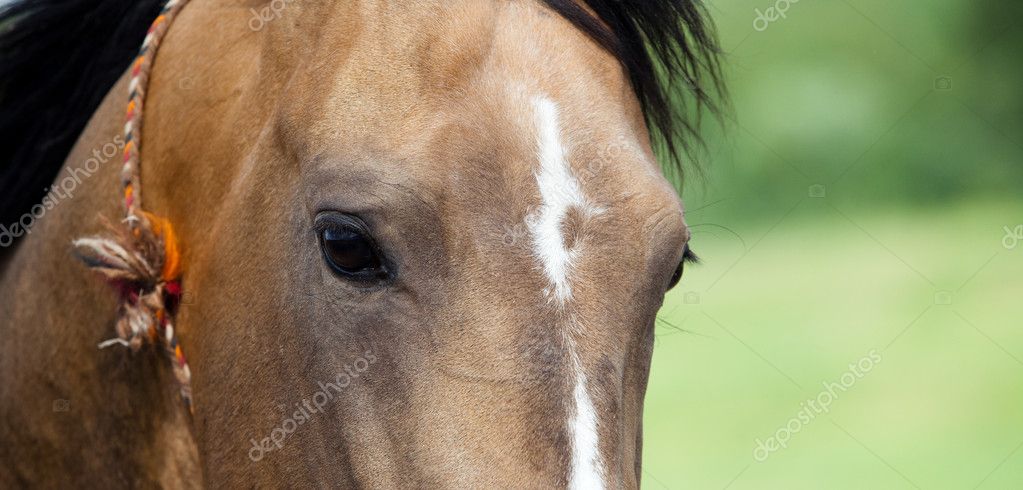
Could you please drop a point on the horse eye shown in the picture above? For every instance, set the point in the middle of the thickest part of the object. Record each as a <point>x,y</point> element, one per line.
<point>348,248</point>
<point>687,256</point>
<point>677,276</point>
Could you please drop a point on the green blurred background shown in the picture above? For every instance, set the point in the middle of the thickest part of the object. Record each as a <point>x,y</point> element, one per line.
<point>864,198</point>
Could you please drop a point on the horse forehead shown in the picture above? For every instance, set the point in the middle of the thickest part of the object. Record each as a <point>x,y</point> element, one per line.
<point>546,146</point>
<point>512,146</point>
<point>400,74</point>
<point>453,107</point>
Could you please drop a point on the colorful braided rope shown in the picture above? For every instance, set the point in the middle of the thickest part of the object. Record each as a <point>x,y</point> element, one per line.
<point>143,261</point>
<point>137,86</point>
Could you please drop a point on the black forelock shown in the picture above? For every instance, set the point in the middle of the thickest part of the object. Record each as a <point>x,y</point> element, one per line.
<point>669,50</point>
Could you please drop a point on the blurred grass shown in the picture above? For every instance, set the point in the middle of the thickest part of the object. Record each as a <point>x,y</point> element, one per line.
<point>852,195</point>
<point>816,293</point>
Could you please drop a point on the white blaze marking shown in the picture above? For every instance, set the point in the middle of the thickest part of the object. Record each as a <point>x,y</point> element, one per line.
<point>560,191</point>
<point>587,469</point>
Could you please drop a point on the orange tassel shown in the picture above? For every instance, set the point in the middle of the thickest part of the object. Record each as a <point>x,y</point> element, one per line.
<point>171,254</point>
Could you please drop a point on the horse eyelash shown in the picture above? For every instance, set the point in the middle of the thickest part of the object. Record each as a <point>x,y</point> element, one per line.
<point>689,257</point>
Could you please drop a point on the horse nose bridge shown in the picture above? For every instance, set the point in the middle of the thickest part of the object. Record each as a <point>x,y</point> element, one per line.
<point>570,362</point>
<point>580,394</point>
<point>608,340</point>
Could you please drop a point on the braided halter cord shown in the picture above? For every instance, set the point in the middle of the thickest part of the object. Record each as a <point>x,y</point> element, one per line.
<point>142,260</point>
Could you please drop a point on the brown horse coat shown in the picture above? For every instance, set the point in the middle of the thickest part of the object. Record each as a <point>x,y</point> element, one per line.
<point>501,161</point>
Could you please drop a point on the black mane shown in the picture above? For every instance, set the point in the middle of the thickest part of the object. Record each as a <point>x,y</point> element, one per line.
<point>670,52</point>
<point>59,58</point>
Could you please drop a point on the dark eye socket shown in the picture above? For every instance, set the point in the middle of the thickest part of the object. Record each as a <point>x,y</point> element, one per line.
<point>348,247</point>
<point>677,276</point>
<point>687,256</point>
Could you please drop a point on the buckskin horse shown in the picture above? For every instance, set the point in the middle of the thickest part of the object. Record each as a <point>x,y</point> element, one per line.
<point>415,244</point>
